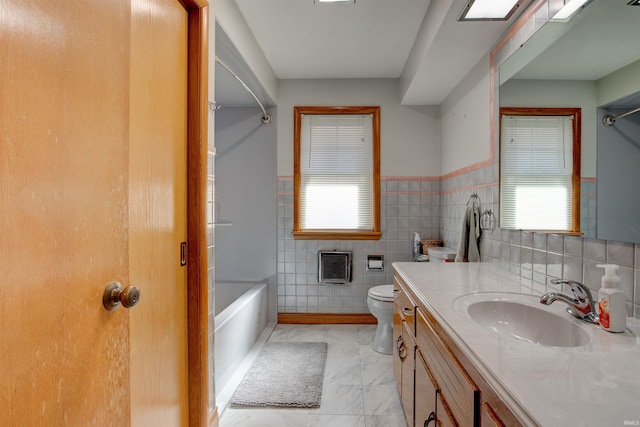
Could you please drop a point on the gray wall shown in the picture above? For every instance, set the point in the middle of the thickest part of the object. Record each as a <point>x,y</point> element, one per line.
<point>409,136</point>
<point>410,168</point>
<point>618,177</point>
<point>245,194</point>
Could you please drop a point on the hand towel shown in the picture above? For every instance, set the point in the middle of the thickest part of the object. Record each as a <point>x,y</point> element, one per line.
<point>468,249</point>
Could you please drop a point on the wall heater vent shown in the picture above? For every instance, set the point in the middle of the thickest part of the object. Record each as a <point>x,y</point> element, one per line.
<point>334,266</point>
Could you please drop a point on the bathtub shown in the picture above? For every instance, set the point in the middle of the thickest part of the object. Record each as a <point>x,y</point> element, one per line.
<point>241,315</point>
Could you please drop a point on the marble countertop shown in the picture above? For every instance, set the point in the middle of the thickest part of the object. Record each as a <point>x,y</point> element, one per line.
<point>597,384</point>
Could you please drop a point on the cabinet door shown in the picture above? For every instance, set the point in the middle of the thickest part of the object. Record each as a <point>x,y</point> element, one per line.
<point>458,390</point>
<point>397,345</point>
<point>444,415</point>
<point>425,394</point>
<point>408,370</point>
<point>488,418</point>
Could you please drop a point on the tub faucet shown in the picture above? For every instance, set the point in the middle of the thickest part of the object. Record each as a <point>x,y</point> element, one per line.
<point>581,306</point>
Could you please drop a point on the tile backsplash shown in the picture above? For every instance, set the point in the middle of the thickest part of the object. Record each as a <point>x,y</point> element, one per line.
<point>434,208</point>
<point>537,257</point>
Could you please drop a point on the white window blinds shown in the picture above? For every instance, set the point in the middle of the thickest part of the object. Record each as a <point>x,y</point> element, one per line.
<point>536,169</point>
<point>336,171</point>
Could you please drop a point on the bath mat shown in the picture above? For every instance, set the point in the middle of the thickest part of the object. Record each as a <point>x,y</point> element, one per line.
<point>285,375</point>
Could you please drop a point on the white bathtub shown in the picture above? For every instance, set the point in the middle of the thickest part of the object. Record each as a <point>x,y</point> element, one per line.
<point>241,315</point>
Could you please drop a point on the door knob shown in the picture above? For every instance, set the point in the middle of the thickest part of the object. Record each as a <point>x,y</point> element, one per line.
<point>114,295</point>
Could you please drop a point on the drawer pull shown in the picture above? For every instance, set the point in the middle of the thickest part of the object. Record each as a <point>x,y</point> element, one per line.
<point>408,311</point>
<point>397,291</point>
<point>431,417</point>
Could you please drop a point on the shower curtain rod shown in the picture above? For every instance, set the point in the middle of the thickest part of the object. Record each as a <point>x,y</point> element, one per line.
<point>609,120</point>
<point>266,118</point>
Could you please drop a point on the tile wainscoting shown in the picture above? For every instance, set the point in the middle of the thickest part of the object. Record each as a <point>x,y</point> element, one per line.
<point>408,205</point>
<point>434,207</point>
<point>536,257</point>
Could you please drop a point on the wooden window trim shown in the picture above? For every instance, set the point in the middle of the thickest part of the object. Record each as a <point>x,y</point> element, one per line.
<point>576,114</point>
<point>297,232</point>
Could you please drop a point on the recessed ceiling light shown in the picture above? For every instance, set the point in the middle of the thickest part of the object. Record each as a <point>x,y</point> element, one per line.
<point>489,10</point>
<point>569,9</point>
<point>335,1</point>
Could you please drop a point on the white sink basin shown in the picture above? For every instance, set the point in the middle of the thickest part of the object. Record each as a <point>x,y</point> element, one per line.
<point>518,316</point>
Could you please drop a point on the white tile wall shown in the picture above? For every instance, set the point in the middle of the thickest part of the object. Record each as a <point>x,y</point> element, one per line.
<point>435,209</point>
<point>407,206</point>
<point>537,257</point>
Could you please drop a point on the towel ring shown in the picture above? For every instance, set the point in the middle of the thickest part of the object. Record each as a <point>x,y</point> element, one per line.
<point>487,220</point>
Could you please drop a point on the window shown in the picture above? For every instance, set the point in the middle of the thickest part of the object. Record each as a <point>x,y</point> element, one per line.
<point>540,169</point>
<point>337,173</point>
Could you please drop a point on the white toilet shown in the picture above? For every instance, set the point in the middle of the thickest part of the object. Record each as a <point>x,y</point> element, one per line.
<point>380,303</point>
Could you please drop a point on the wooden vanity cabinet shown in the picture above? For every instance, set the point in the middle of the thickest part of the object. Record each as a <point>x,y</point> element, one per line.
<point>425,394</point>
<point>404,349</point>
<point>488,417</point>
<point>438,385</point>
<point>457,395</point>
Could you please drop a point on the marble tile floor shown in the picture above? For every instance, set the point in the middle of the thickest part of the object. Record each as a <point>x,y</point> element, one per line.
<point>359,386</point>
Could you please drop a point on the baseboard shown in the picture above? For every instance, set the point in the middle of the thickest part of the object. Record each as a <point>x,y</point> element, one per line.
<point>327,318</point>
<point>213,420</point>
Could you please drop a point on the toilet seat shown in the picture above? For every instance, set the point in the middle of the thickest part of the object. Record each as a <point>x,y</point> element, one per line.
<point>381,293</point>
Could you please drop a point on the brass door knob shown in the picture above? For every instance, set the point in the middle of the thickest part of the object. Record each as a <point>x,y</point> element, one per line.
<point>114,295</point>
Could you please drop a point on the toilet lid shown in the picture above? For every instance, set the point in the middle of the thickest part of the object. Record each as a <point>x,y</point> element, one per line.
<point>382,293</point>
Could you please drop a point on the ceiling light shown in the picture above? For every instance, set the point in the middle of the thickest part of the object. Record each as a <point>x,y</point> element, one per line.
<point>569,9</point>
<point>489,10</point>
<point>335,1</point>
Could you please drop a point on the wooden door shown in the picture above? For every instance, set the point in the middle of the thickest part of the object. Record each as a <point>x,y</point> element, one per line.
<point>84,202</point>
<point>157,212</point>
<point>64,123</point>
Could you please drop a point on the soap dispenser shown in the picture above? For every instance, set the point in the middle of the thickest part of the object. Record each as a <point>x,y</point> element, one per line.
<point>417,243</point>
<point>612,308</point>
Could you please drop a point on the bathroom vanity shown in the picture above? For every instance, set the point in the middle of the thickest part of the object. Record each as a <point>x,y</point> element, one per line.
<point>457,361</point>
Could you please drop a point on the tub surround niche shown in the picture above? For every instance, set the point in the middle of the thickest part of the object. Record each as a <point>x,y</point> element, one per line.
<point>502,374</point>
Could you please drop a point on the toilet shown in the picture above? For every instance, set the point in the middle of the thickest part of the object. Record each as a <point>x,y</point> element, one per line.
<point>380,303</point>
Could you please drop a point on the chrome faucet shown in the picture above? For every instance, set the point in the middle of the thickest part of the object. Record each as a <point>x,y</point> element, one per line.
<point>581,306</point>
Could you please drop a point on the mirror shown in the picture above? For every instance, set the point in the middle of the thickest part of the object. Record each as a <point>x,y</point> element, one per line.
<point>591,61</point>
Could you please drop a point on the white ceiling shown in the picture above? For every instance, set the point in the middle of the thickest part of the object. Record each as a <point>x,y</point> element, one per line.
<point>418,41</point>
<point>303,40</point>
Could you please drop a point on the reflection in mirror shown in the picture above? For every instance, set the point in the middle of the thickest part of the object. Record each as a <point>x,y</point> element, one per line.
<point>540,169</point>
<point>618,160</point>
<point>591,62</point>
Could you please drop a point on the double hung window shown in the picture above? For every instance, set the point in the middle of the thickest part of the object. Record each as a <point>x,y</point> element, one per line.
<point>540,169</point>
<point>337,173</point>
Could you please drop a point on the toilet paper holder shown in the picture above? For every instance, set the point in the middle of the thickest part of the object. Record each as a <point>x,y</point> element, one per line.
<point>375,263</point>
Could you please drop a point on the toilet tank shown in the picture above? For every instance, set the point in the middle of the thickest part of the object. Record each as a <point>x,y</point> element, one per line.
<point>440,254</point>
